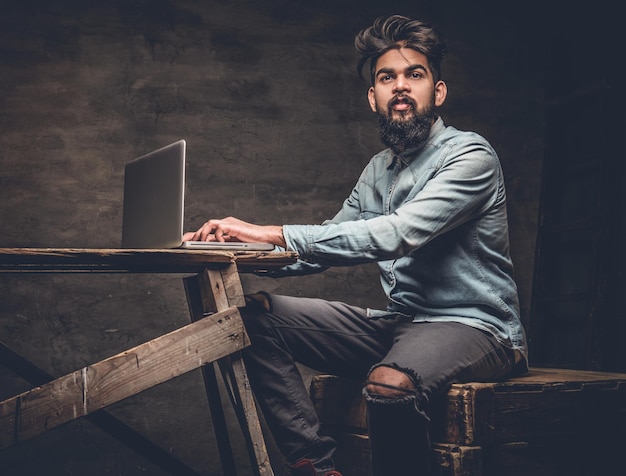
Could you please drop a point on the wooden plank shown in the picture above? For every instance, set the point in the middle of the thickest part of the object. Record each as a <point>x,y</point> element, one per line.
<point>201,302</point>
<point>215,289</point>
<point>456,460</point>
<point>466,416</point>
<point>221,288</point>
<point>542,379</point>
<point>263,262</point>
<point>232,285</point>
<point>102,419</point>
<point>105,260</point>
<point>246,407</point>
<point>121,376</point>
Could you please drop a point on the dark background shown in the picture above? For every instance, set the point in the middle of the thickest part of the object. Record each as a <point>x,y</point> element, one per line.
<point>277,128</point>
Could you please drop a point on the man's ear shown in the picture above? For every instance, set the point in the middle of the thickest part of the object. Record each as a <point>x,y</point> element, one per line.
<point>441,92</point>
<point>371,98</point>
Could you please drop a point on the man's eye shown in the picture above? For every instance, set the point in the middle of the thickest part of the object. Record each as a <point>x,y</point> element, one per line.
<point>416,75</point>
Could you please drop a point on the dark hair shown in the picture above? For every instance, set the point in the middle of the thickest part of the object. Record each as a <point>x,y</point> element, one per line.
<point>397,32</point>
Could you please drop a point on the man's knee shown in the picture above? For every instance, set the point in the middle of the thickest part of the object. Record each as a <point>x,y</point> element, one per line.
<point>257,302</point>
<point>390,382</point>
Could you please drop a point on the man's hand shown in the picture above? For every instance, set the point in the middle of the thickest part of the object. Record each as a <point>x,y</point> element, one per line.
<point>232,229</point>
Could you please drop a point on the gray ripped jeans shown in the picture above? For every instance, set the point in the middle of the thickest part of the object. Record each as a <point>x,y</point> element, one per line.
<point>335,338</point>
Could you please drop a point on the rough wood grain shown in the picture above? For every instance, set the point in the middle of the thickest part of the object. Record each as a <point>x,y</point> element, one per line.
<point>128,373</point>
<point>16,260</point>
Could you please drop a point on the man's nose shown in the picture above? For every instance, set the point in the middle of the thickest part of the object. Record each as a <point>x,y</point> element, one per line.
<point>401,84</point>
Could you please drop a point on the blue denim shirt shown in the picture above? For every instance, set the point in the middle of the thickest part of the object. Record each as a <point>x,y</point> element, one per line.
<point>435,220</point>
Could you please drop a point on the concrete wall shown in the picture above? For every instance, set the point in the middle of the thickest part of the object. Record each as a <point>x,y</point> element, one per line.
<point>278,129</point>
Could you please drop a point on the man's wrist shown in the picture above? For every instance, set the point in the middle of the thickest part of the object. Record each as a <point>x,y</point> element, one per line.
<point>277,237</point>
<point>281,235</point>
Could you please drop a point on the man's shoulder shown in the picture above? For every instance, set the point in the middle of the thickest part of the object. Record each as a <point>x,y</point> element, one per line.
<point>451,136</point>
<point>451,133</point>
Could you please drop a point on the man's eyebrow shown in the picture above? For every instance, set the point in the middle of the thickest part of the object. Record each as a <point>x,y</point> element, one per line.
<point>385,71</point>
<point>410,68</point>
<point>414,67</point>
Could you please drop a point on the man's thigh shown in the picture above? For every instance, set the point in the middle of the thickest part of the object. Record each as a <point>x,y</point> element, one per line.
<point>327,336</point>
<point>438,354</point>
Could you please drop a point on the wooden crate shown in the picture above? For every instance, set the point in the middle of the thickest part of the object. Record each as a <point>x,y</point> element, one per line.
<point>549,422</point>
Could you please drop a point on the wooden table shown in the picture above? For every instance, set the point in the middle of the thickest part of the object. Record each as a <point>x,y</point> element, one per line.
<point>215,336</point>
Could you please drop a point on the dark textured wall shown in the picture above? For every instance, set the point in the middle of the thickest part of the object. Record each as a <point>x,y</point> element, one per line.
<point>278,129</point>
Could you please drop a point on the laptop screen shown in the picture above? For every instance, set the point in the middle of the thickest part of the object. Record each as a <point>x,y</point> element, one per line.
<point>154,186</point>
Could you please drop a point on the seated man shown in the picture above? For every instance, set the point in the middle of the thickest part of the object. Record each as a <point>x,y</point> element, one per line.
<point>430,209</point>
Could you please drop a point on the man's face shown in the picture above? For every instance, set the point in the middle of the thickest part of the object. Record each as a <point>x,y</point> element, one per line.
<point>404,97</point>
<point>404,85</point>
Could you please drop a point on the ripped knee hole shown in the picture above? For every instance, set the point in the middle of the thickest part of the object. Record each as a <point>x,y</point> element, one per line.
<point>389,382</point>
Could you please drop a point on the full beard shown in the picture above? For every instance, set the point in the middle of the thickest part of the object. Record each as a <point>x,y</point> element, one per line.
<point>408,132</point>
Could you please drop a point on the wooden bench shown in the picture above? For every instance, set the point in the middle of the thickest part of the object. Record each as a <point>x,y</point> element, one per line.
<point>549,422</point>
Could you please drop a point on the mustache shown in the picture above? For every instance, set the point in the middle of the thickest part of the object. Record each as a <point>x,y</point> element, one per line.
<point>400,98</point>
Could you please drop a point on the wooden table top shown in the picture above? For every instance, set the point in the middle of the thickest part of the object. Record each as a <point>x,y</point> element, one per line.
<point>104,260</point>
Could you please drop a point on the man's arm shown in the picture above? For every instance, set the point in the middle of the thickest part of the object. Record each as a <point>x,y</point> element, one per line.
<point>466,186</point>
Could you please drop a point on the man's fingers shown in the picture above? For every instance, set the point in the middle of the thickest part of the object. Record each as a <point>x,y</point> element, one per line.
<point>211,230</point>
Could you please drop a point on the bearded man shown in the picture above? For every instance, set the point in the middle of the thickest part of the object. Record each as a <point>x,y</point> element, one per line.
<point>430,209</point>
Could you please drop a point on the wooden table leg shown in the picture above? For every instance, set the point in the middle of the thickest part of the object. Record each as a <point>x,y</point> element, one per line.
<point>211,291</point>
<point>238,386</point>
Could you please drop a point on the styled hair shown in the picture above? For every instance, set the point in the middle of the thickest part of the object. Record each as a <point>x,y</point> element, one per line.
<point>397,32</point>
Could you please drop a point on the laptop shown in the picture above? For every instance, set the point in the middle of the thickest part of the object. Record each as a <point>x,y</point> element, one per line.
<point>154,201</point>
